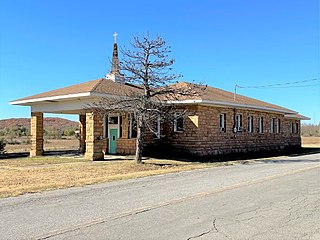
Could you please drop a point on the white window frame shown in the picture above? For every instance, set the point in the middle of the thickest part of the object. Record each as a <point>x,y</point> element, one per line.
<point>114,126</point>
<point>105,124</point>
<point>278,125</point>
<point>175,123</point>
<point>130,125</point>
<point>222,122</point>
<point>250,124</point>
<point>296,128</point>
<point>260,125</point>
<point>272,121</point>
<point>239,122</point>
<point>158,124</point>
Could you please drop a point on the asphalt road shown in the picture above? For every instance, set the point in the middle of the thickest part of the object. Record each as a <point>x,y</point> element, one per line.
<point>278,199</point>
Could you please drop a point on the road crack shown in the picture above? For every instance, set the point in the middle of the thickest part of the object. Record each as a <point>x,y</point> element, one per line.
<point>214,228</point>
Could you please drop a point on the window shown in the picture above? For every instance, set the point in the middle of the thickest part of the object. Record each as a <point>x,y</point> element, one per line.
<point>239,122</point>
<point>132,126</point>
<point>278,125</point>
<point>156,127</point>
<point>250,124</point>
<point>222,123</point>
<point>272,123</point>
<point>178,124</point>
<point>120,126</point>
<point>260,125</point>
<point>294,127</point>
<point>105,126</point>
<point>113,120</point>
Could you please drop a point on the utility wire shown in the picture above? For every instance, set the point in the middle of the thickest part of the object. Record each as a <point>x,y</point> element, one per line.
<point>284,85</point>
<point>299,86</point>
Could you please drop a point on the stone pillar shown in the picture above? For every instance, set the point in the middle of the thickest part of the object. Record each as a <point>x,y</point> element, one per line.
<point>82,133</point>
<point>36,134</point>
<point>94,136</point>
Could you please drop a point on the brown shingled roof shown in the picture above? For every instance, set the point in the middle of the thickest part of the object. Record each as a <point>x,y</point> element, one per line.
<point>100,85</point>
<point>104,86</point>
<point>219,95</point>
<point>78,88</point>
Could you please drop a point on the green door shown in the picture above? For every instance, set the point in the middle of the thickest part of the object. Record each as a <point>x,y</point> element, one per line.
<point>113,141</point>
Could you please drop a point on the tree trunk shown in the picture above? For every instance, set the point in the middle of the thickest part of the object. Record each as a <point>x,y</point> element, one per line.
<point>139,142</point>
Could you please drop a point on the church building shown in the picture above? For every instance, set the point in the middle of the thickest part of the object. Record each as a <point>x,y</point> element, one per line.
<point>220,122</point>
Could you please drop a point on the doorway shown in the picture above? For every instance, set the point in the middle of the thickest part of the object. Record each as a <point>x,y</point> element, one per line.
<point>113,141</point>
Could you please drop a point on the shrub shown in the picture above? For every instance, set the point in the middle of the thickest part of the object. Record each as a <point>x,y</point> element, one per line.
<point>69,132</point>
<point>2,146</point>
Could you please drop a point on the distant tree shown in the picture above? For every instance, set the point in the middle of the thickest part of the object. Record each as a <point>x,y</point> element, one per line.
<point>53,133</point>
<point>148,67</point>
<point>2,146</point>
<point>310,130</point>
<point>69,132</point>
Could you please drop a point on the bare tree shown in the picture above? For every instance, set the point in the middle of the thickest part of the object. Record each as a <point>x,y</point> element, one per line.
<point>151,86</point>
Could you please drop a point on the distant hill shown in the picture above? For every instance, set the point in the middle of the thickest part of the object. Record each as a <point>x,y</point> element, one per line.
<point>49,123</point>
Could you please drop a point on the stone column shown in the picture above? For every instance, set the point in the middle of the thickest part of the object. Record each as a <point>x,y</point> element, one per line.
<point>36,134</point>
<point>94,136</point>
<point>82,133</point>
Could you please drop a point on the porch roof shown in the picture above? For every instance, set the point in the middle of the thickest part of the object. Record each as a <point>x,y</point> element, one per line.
<point>94,88</point>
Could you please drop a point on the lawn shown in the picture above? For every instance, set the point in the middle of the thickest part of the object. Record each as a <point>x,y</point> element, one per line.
<point>29,175</point>
<point>310,142</point>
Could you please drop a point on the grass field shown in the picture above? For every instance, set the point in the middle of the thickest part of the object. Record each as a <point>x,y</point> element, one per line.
<point>310,142</point>
<point>50,144</point>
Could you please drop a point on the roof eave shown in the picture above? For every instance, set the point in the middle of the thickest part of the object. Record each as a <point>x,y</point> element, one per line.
<point>229,104</point>
<point>29,102</point>
<point>297,117</point>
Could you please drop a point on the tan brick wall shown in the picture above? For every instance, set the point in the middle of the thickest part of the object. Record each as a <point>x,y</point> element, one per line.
<point>203,137</point>
<point>126,146</point>
<point>36,134</point>
<point>95,144</point>
<point>207,139</point>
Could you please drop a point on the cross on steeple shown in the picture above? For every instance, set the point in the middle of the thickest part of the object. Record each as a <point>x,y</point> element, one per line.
<point>115,37</point>
<point>115,74</point>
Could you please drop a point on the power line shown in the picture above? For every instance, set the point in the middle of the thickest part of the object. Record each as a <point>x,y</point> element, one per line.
<point>283,85</point>
<point>300,86</point>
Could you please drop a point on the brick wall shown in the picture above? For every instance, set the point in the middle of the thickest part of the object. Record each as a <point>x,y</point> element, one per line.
<point>207,139</point>
<point>202,136</point>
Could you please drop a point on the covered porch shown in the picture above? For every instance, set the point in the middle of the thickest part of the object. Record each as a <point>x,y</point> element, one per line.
<point>99,134</point>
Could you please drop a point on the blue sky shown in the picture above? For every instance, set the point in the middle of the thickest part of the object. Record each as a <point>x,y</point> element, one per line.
<point>48,44</point>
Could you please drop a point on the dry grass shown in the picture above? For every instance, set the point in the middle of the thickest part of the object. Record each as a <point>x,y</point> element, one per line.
<point>28,175</point>
<point>49,144</point>
<point>310,142</point>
